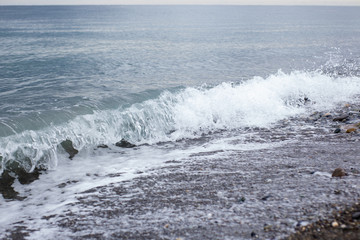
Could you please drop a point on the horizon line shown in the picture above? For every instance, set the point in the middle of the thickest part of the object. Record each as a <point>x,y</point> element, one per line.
<point>187,4</point>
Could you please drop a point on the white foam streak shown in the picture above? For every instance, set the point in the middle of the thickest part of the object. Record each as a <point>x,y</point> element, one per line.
<point>55,190</point>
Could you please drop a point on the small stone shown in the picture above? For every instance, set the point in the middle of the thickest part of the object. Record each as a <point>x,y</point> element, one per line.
<point>337,130</point>
<point>265,197</point>
<point>356,215</point>
<point>338,172</point>
<point>166,226</point>
<point>350,130</point>
<point>69,148</point>
<point>253,234</point>
<point>327,115</point>
<point>124,144</point>
<point>335,224</point>
<point>350,127</point>
<point>347,105</point>
<point>102,146</point>
<point>337,192</point>
<point>341,118</point>
<point>343,226</point>
<point>267,228</point>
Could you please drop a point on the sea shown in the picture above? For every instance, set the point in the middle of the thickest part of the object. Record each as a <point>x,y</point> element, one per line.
<point>172,80</point>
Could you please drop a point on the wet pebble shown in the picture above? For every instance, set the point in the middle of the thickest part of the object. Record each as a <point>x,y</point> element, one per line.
<point>265,197</point>
<point>124,144</point>
<point>338,172</point>
<point>102,146</point>
<point>341,118</point>
<point>69,148</point>
<point>356,215</point>
<point>350,130</point>
<point>337,130</point>
<point>267,228</point>
<point>337,192</point>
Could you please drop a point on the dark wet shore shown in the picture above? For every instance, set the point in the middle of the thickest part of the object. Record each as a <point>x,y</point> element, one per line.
<point>263,194</point>
<point>268,193</point>
<point>344,224</point>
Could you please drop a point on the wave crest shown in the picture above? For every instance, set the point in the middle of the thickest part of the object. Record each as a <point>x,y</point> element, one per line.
<point>186,113</point>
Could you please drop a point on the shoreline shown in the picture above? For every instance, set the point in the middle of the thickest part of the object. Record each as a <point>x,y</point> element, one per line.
<point>213,199</point>
<point>265,193</point>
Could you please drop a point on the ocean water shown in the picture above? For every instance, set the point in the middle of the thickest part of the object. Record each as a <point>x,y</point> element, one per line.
<point>173,80</point>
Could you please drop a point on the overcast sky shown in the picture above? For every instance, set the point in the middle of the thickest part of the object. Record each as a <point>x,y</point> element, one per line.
<point>244,2</point>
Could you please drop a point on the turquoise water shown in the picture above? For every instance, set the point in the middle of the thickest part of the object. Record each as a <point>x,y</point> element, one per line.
<point>97,74</point>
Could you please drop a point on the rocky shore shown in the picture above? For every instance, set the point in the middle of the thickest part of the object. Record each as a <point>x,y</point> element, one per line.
<point>265,194</point>
<point>287,191</point>
<point>344,224</point>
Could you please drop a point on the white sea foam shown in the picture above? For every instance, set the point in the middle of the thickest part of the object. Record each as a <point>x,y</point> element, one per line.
<point>56,189</point>
<point>258,102</point>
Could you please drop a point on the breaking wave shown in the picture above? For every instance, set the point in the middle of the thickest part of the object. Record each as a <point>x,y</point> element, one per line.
<point>187,113</point>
